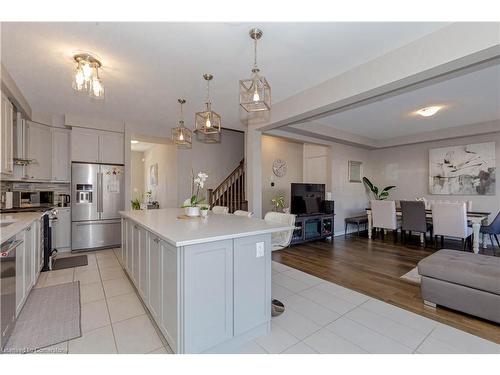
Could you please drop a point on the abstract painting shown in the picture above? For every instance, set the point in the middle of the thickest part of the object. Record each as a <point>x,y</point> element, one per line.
<point>153,174</point>
<point>463,170</point>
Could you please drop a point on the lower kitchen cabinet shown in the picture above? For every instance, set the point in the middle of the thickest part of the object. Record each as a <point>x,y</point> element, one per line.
<point>62,230</point>
<point>27,263</point>
<point>155,284</point>
<point>143,263</point>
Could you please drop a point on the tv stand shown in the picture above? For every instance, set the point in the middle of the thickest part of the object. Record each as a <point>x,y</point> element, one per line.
<point>312,227</point>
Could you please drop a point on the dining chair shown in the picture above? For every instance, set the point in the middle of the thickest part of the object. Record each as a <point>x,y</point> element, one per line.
<point>243,213</point>
<point>218,210</point>
<point>492,229</point>
<point>450,220</point>
<point>384,216</point>
<point>413,219</point>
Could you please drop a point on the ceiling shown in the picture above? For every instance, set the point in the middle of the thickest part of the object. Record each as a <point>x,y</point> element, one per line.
<point>147,66</point>
<point>468,99</point>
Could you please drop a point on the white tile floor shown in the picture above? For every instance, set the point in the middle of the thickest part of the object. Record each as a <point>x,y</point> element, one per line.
<point>320,317</point>
<point>113,319</point>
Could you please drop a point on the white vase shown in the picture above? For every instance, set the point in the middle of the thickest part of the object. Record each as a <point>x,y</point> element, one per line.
<point>192,211</point>
<point>204,213</point>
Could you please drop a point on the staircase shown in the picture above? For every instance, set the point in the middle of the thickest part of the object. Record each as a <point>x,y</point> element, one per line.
<point>231,192</point>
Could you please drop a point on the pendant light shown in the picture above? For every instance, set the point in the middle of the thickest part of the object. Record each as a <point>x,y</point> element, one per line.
<point>182,136</point>
<point>208,122</point>
<point>255,92</point>
<point>86,78</point>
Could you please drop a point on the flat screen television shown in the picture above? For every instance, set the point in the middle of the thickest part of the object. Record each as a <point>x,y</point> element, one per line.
<point>307,199</point>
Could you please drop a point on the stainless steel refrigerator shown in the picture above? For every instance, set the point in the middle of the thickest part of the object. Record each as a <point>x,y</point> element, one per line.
<point>97,195</point>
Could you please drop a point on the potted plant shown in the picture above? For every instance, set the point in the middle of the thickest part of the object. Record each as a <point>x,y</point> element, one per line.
<point>192,205</point>
<point>278,202</point>
<point>379,195</point>
<point>136,204</point>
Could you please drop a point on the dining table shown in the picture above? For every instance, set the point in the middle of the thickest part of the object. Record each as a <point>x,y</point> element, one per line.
<point>476,218</point>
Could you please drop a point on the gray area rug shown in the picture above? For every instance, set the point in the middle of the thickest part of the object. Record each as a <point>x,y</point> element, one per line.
<point>412,276</point>
<point>70,262</point>
<point>50,316</point>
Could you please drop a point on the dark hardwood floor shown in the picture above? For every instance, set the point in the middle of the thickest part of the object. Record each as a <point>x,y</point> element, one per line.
<point>374,267</point>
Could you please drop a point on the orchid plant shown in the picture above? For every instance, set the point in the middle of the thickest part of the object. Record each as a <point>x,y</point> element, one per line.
<point>197,185</point>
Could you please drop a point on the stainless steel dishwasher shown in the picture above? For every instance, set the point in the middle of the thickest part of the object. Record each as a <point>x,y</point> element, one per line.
<point>8,288</point>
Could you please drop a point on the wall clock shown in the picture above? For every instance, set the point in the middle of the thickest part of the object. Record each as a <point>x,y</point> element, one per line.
<point>279,167</point>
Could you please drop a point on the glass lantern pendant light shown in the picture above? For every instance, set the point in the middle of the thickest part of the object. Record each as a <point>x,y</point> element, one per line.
<point>255,93</point>
<point>207,122</point>
<point>87,78</point>
<point>182,136</point>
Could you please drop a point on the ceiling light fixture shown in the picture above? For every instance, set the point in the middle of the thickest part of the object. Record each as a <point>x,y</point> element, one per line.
<point>182,136</point>
<point>87,78</point>
<point>255,93</point>
<point>208,122</point>
<point>429,111</point>
<point>133,141</point>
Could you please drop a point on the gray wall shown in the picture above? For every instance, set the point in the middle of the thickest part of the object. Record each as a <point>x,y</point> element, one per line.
<point>217,160</point>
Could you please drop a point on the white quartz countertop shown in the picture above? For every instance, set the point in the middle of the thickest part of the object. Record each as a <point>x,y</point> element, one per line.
<point>181,232</point>
<point>19,221</point>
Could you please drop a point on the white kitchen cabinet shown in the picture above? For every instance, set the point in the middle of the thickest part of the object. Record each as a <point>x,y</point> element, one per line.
<point>20,291</point>
<point>169,293</point>
<point>97,146</point>
<point>111,148</point>
<point>61,159</point>
<point>129,260</point>
<point>29,259</point>
<point>62,230</point>
<point>6,136</point>
<point>155,287</point>
<point>40,151</point>
<point>135,253</point>
<point>143,263</point>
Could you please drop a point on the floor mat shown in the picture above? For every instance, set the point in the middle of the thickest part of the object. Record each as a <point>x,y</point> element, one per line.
<point>50,316</point>
<point>68,262</point>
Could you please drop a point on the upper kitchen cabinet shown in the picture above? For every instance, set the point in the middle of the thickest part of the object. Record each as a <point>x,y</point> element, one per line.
<point>97,146</point>
<point>39,151</point>
<point>6,135</point>
<point>61,155</point>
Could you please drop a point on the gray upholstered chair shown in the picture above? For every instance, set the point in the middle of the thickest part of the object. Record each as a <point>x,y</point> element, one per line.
<point>493,229</point>
<point>414,219</point>
<point>450,220</point>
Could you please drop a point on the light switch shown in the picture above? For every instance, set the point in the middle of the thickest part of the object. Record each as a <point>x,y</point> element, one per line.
<point>259,247</point>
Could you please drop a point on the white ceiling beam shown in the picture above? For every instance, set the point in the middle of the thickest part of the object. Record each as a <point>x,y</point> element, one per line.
<point>452,48</point>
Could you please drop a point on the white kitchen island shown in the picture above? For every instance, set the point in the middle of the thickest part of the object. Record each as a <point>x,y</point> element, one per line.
<point>205,281</point>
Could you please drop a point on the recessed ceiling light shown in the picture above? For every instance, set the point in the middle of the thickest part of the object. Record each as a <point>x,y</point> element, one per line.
<point>134,141</point>
<point>429,111</point>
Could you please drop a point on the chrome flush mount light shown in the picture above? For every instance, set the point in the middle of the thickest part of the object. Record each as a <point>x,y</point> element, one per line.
<point>255,93</point>
<point>87,78</point>
<point>182,136</point>
<point>208,122</point>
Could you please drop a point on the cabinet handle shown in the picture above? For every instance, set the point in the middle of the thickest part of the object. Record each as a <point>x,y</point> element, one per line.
<point>135,226</point>
<point>156,240</point>
<point>28,229</point>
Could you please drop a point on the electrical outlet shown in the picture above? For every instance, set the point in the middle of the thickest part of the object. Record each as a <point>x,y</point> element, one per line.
<point>259,247</point>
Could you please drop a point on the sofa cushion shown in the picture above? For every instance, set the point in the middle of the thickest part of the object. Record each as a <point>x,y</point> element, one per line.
<point>473,270</point>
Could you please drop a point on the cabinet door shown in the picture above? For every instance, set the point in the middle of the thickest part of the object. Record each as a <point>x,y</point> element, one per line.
<point>169,293</point>
<point>208,295</point>
<point>111,148</point>
<point>143,264</point>
<point>6,144</point>
<point>29,259</point>
<point>61,155</point>
<point>84,145</point>
<point>155,292</point>
<point>135,254</point>
<point>130,247</point>
<point>40,150</point>
<point>19,274</point>
<point>62,234</point>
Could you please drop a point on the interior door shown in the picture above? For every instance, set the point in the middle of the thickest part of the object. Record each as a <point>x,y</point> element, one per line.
<point>83,182</point>
<point>112,189</point>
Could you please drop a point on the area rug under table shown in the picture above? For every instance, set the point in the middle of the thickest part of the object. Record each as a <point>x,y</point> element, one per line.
<point>50,316</point>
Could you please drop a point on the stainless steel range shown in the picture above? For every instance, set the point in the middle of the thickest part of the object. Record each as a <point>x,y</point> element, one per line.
<point>97,197</point>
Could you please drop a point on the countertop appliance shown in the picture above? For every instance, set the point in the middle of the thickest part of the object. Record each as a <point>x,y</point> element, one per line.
<point>8,289</point>
<point>97,196</point>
